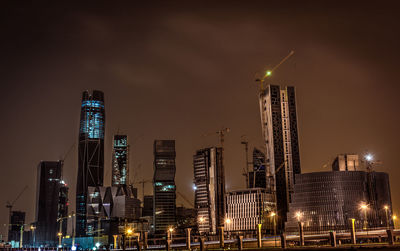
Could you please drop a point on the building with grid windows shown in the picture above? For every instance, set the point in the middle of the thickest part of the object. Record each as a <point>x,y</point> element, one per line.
<point>249,207</point>
<point>209,181</point>
<point>280,133</point>
<point>327,201</point>
<point>164,209</point>
<point>90,154</point>
<point>120,157</point>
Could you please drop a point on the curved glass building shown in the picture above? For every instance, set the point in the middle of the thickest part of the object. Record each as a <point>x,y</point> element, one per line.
<point>327,201</point>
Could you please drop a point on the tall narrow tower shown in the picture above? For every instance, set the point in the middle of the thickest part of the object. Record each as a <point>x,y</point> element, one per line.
<point>90,153</point>
<point>279,128</point>
<point>209,180</point>
<point>164,185</point>
<point>120,170</point>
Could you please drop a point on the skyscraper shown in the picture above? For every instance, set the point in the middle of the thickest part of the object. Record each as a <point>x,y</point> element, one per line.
<point>209,180</point>
<point>164,185</point>
<point>90,153</point>
<point>120,170</point>
<point>51,201</point>
<point>279,128</point>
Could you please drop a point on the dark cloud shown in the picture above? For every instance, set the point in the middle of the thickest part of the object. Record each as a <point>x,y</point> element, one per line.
<point>178,70</point>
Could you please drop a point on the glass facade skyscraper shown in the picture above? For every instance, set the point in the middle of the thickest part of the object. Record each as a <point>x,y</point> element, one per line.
<point>120,169</point>
<point>90,153</point>
<point>164,185</point>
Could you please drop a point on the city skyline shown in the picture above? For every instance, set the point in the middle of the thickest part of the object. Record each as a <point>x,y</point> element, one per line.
<point>336,80</point>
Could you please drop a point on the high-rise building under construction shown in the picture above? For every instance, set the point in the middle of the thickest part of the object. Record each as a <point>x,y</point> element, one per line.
<point>120,170</point>
<point>90,154</point>
<point>209,180</point>
<point>279,128</point>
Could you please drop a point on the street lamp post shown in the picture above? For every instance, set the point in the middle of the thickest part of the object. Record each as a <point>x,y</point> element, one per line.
<point>33,235</point>
<point>364,207</point>
<point>273,214</point>
<point>301,233</point>
<point>228,222</point>
<point>387,216</point>
<point>170,230</point>
<point>129,232</point>
<point>59,238</point>
<point>394,221</point>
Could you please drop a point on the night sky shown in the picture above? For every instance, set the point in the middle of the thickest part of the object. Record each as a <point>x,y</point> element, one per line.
<point>178,70</point>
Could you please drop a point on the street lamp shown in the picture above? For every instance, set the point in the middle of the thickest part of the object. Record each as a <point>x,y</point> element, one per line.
<point>364,207</point>
<point>394,221</point>
<point>59,238</point>
<point>273,214</point>
<point>298,216</point>
<point>228,222</point>
<point>170,230</point>
<point>386,207</point>
<point>33,234</point>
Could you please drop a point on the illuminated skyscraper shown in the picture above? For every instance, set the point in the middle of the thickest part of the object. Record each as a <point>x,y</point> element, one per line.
<point>279,128</point>
<point>91,153</point>
<point>164,213</point>
<point>120,170</point>
<point>209,180</point>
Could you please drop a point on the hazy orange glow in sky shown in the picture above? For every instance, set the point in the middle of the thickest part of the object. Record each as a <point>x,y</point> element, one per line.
<point>178,70</point>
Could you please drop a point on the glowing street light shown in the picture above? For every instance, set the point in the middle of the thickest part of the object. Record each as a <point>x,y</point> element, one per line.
<point>228,222</point>
<point>129,231</point>
<point>364,207</point>
<point>170,230</point>
<point>273,214</point>
<point>298,216</point>
<point>59,238</point>
<point>201,219</point>
<point>386,207</point>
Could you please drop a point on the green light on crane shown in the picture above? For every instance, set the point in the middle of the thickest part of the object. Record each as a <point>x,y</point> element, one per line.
<point>268,73</point>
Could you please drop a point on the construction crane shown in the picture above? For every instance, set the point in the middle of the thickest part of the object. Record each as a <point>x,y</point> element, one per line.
<point>185,199</point>
<point>62,160</point>
<point>246,168</point>
<point>221,133</point>
<point>10,205</point>
<point>268,73</point>
<point>143,181</point>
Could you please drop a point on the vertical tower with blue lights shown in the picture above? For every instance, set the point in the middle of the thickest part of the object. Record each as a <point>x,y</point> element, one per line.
<point>90,153</point>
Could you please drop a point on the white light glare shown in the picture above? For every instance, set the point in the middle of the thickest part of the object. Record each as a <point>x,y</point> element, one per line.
<point>369,157</point>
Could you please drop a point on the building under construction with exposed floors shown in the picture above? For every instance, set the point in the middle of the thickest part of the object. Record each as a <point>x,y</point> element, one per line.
<point>209,181</point>
<point>280,133</point>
